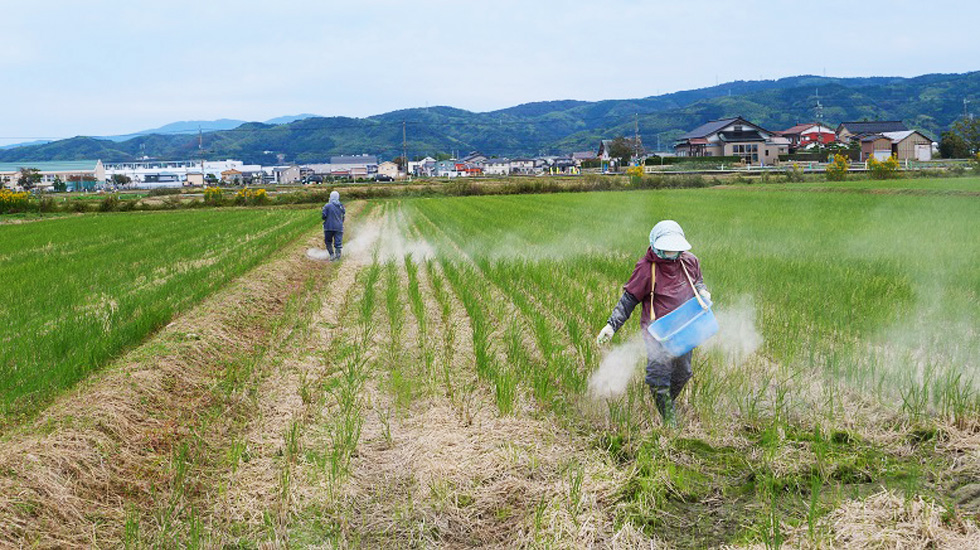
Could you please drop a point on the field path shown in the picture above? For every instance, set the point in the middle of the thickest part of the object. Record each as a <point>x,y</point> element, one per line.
<point>437,465</point>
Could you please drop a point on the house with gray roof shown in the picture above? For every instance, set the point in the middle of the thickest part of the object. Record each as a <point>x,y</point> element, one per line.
<point>851,131</point>
<point>733,137</point>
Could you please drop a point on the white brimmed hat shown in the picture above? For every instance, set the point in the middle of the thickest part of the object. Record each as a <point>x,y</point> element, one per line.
<point>668,235</point>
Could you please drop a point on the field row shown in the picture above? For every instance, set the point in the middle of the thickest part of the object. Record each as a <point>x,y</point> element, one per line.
<point>79,290</point>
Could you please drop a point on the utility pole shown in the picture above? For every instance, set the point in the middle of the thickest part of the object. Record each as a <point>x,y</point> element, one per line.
<point>636,137</point>
<point>405,147</point>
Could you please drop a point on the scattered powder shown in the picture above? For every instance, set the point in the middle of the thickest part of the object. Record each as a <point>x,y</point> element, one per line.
<point>618,367</point>
<point>737,338</point>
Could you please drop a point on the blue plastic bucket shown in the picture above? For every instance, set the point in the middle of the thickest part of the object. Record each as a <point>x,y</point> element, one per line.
<point>685,328</point>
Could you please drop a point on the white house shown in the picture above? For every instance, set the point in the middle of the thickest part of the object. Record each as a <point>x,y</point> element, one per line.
<point>424,167</point>
<point>522,166</point>
<point>496,167</point>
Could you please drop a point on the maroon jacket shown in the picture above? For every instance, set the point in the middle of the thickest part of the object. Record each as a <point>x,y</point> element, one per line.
<point>672,288</point>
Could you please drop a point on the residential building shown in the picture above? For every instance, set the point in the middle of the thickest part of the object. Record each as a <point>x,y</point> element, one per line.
<point>475,157</point>
<point>496,167</point>
<point>446,169</point>
<point>560,165</point>
<point>287,174</point>
<point>910,145</point>
<point>805,135</point>
<point>389,169</point>
<point>875,146</point>
<point>604,152</point>
<point>852,131</point>
<point>522,166</point>
<point>733,137</point>
<point>582,156</point>
<point>469,169</point>
<point>195,178</point>
<point>423,168</point>
<point>231,176</point>
<point>905,145</point>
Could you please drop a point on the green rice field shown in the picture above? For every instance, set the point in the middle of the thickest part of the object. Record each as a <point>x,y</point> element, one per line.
<point>78,290</point>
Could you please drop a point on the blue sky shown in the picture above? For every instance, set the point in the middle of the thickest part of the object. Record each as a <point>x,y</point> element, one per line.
<point>102,67</point>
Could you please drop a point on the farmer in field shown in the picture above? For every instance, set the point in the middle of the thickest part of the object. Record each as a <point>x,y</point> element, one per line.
<point>664,278</point>
<point>333,225</point>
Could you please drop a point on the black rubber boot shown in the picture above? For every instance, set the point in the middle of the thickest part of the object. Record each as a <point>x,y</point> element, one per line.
<point>665,405</point>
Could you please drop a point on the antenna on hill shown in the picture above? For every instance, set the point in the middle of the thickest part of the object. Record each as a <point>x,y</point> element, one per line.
<point>818,109</point>
<point>200,139</point>
<point>966,115</point>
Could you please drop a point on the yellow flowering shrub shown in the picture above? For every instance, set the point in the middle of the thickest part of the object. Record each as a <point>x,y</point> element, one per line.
<point>246,196</point>
<point>837,169</point>
<point>11,201</point>
<point>886,170</point>
<point>212,195</point>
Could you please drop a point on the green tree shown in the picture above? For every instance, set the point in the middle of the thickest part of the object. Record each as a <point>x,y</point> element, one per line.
<point>400,161</point>
<point>952,146</point>
<point>29,178</point>
<point>59,185</point>
<point>622,149</point>
<point>121,179</point>
<point>968,129</point>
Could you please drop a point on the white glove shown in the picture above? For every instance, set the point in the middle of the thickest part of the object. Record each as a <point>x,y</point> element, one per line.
<point>605,335</point>
<point>706,296</point>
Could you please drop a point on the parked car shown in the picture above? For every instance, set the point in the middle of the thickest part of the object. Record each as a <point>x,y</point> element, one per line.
<point>383,177</point>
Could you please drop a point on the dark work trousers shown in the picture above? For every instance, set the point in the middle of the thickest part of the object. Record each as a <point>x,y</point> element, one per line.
<point>334,242</point>
<point>663,369</point>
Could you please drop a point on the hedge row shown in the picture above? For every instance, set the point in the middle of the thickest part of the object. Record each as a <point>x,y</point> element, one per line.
<point>669,161</point>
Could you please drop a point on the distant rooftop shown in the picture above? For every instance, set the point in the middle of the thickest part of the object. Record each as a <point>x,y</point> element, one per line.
<point>874,126</point>
<point>709,128</point>
<point>51,166</point>
<point>354,159</point>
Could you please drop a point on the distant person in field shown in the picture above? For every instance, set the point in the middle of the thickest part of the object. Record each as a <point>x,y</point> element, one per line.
<point>667,260</point>
<point>333,225</point>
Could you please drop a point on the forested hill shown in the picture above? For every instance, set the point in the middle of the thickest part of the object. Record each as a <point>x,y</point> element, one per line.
<point>929,103</point>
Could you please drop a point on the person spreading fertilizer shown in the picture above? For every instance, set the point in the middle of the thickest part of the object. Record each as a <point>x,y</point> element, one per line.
<point>333,225</point>
<point>666,279</point>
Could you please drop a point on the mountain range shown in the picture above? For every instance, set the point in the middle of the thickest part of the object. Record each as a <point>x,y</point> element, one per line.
<point>930,103</point>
